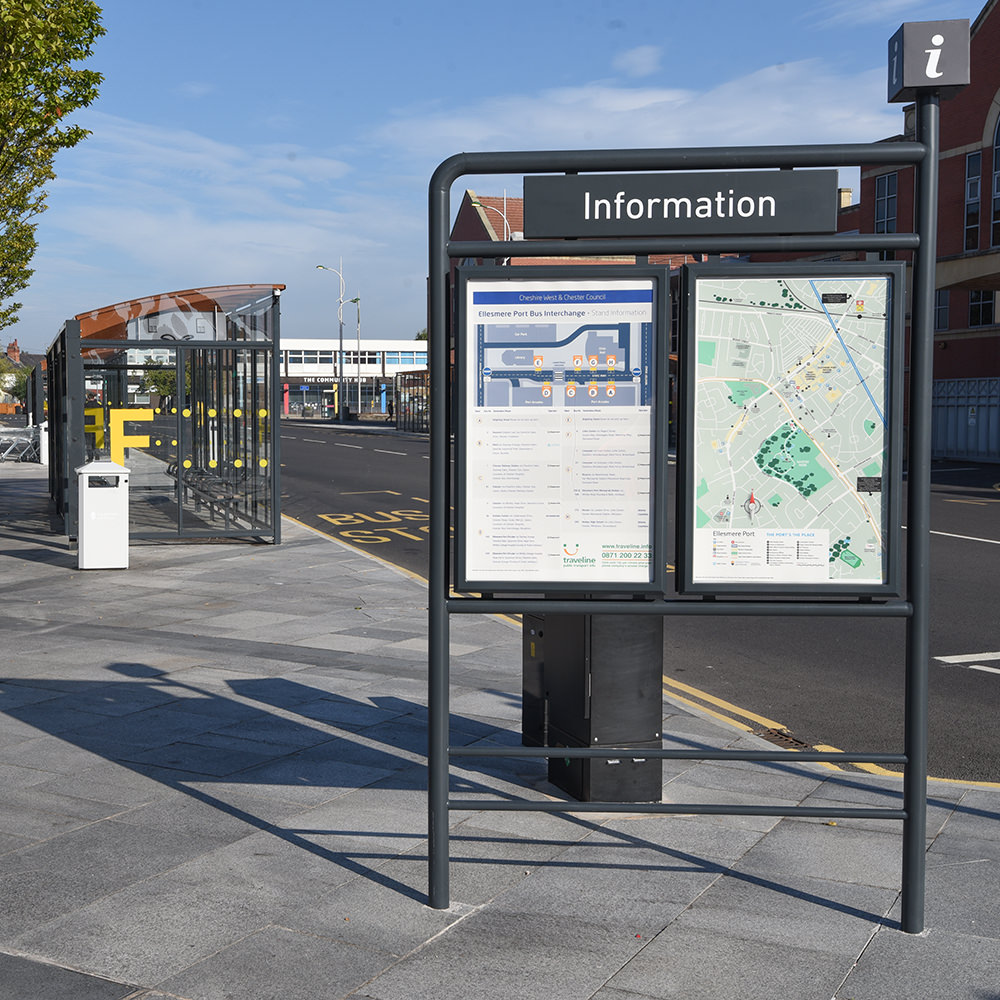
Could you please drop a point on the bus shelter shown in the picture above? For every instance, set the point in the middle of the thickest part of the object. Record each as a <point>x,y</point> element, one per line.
<point>182,388</point>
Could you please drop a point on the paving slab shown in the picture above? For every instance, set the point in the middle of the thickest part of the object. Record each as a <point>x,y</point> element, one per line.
<point>225,796</point>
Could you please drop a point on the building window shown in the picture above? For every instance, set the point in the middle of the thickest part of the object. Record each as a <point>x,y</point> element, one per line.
<point>294,357</point>
<point>995,235</point>
<point>392,357</point>
<point>973,174</point>
<point>980,308</point>
<point>941,303</point>
<point>326,357</point>
<point>885,209</point>
<point>885,203</point>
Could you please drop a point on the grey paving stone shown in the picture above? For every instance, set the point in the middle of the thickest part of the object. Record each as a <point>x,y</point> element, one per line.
<point>24,979</point>
<point>42,882</point>
<point>153,929</point>
<point>898,966</point>
<point>797,912</point>
<point>837,853</point>
<point>276,964</point>
<point>313,781</point>
<point>517,955</point>
<point>693,964</point>
<point>962,891</point>
<point>385,911</point>
<point>717,838</point>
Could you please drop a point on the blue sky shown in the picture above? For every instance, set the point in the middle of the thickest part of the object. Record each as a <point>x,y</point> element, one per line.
<point>249,141</point>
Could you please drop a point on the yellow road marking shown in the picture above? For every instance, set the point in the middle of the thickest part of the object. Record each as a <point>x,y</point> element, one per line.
<point>718,715</point>
<point>728,706</point>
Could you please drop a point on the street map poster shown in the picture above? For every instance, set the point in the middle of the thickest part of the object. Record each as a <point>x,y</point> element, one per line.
<point>792,437</point>
<point>557,399</point>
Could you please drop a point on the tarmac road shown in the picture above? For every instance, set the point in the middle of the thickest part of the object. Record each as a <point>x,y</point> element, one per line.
<point>829,682</point>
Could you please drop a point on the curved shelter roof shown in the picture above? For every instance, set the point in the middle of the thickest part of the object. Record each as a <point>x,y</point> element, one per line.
<point>111,322</point>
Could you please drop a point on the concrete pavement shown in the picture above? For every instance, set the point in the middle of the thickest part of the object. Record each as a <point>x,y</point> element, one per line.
<point>212,786</point>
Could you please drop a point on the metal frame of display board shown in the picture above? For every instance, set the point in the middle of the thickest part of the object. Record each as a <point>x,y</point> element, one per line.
<point>923,154</point>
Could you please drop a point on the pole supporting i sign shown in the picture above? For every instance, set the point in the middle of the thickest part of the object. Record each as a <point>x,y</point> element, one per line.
<point>926,62</point>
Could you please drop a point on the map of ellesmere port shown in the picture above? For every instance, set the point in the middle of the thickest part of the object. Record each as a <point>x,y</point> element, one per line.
<point>790,430</point>
<point>564,364</point>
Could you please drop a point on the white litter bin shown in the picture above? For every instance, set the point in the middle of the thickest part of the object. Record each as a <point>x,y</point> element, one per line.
<point>102,533</point>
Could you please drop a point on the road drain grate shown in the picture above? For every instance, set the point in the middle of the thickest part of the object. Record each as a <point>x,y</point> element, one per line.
<point>782,739</point>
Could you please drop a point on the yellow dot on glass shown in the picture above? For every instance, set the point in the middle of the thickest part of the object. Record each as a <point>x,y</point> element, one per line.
<point>187,463</point>
<point>158,444</point>
<point>212,463</point>
<point>211,413</point>
<point>238,463</point>
<point>263,463</point>
<point>262,413</point>
<point>237,412</point>
<point>156,410</point>
<point>173,409</point>
<point>185,413</point>
<point>174,443</point>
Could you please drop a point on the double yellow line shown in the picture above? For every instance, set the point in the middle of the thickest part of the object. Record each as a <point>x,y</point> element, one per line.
<point>732,715</point>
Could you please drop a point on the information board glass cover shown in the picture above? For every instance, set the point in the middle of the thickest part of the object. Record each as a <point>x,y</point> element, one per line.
<point>791,445</point>
<point>557,406</point>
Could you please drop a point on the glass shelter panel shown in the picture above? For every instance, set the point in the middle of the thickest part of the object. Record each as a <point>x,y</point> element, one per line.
<point>178,388</point>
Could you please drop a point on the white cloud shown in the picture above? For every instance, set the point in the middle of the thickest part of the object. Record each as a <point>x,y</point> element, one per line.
<point>858,12</point>
<point>644,60</point>
<point>788,103</point>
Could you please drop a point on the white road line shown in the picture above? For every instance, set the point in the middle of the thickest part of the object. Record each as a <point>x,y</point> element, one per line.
<point>340,444</point>
<point>382,451</point>
<point>288,437</point>
<point>967,538</point>
<point>314,440</point>
<point>968,657</point>
<point>989,670</point>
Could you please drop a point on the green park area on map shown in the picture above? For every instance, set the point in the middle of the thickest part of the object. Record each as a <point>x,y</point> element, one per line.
<point>791,428</point>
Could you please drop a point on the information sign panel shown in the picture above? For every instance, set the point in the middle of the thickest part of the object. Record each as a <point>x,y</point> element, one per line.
<point>558,450</point>
<point>790,465</point>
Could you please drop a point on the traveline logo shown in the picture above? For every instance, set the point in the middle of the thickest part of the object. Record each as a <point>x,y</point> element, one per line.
<point>719,202</point>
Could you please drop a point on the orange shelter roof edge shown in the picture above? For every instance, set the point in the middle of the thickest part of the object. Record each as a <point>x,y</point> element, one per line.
<point>95,322</point>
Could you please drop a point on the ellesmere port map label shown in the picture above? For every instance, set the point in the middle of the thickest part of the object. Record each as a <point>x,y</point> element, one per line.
<point>790,438</point>
<point>681,204</point>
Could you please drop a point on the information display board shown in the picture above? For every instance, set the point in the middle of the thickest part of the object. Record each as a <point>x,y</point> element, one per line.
<point>790,463</point>
<point>559,457</point>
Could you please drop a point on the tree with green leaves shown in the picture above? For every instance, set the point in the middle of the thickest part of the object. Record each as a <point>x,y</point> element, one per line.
<point>14,379</point>
<point>40,40</point>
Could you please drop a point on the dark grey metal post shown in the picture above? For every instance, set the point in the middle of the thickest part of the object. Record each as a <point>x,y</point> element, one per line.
<point>918,520</point>
<point>438,630</point>
<point>275,404</point>
<point>74,451</point>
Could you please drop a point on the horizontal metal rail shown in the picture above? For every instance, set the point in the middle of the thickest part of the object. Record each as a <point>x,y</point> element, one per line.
<point>774,609</point>
<point>667,753</point>
<point>611,247</point>
<point>695,809</point>
<point>692,158</point>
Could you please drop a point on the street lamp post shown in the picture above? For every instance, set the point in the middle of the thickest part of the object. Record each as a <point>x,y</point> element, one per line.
<point>340,322</point>
<point>357,302</point>
<point>503,215</point>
